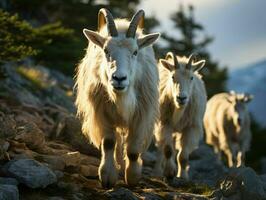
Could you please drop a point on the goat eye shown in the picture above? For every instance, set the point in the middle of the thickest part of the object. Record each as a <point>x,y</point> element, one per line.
<point>191,78</point>
<point>135,53</point>
<point>173,78</point>
<point>106,52</point>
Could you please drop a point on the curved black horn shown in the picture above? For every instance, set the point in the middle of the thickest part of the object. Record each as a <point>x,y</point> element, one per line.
<point>172,55</point>
<point>191,58</point>
<point>137,20</point>
<point>105,17</point>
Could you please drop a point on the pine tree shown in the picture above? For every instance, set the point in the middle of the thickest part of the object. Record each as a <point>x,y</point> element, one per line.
<point>214,76</point>
<point>16,37</point>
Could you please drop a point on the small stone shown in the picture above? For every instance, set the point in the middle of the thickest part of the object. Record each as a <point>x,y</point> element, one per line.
<point>9,192</point>
<point>7,126</point>
<point>4,145</point>
<point>31,135</point>
<point>89,170</point>
<point>54,162</point>
<point>30,172</point>
<point>122,193</point>
<point>71,158</point>
<point>89,160</point>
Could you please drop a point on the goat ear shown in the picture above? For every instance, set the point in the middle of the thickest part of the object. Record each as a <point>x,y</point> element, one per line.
<point>94,37</point>
<point>167,65</point>
<point>197,66</point>
<point>147,40</point>
<point>232,92</point>
<point>232,96</point>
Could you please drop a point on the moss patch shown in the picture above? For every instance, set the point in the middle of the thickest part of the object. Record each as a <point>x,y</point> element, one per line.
<point>32,75</point>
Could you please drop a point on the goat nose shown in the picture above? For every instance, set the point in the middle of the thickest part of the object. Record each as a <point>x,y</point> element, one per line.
<point>182,98</point>
<point>119,78</point>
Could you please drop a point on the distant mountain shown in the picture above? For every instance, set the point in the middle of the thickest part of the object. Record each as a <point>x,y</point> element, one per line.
<point>252,79</point>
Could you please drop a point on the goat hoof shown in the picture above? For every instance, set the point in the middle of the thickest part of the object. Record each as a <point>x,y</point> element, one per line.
<point>108,176</point>
<point>107,185</point>
<point>133,175</point>
<point>170,175</point>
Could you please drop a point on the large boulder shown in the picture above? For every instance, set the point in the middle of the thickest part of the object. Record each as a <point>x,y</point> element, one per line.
<point>8,181</point>
<point>205,167</point>
<point>30,172</point>
<point>242,183</point>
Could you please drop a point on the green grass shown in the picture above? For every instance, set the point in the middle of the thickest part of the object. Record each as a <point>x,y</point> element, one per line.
<point>32,75</point>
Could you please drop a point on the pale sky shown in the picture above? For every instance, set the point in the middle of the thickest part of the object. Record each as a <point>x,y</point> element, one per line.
<point>238,26</point>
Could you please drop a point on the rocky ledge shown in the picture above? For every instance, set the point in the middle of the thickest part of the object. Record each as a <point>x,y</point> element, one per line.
<point>43,154</point>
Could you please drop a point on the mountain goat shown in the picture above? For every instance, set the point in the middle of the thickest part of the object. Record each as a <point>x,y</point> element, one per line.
<point>227,126</point>
<point>117,93</point>
<point>182,106</point>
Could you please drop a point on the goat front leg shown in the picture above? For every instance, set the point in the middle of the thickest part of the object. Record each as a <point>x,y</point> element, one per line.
<point>108,172</point>
<point>119,154</point>
<point>189,141</point>
<point>133,167</point>
<point>244,147</point>
<point>165,164</point>
<point>137,141</point>
<point>170,168</point>
<point>240,159</point>
<point>229,156</point>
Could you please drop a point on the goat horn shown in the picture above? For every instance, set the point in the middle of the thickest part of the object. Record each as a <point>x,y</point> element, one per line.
<point>172,55</point>
<point>105,17</point>
<point>137,20</point>
<point>191,59</point>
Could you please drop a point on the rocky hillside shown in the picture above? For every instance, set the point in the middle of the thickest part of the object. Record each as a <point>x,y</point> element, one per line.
<point>43,154</point>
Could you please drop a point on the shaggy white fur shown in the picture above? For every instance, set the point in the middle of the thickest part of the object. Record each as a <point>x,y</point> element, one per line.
<point>227,126</point>
<point>182,106</point>
<point>131,110</point>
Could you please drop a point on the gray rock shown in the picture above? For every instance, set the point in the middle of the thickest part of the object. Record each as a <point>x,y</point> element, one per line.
<point>30,172</point>
<point>243,183</point>
<point>8,181</point>
<point>31,135</point>
<point>59,174</point>
<point>263,179</point>
<point>9,192</point>
<point>205,167</point>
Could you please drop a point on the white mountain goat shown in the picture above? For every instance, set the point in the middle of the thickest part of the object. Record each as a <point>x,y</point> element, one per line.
<point>182,107</point>
<point>117,93</point>
<point>227,126</point>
